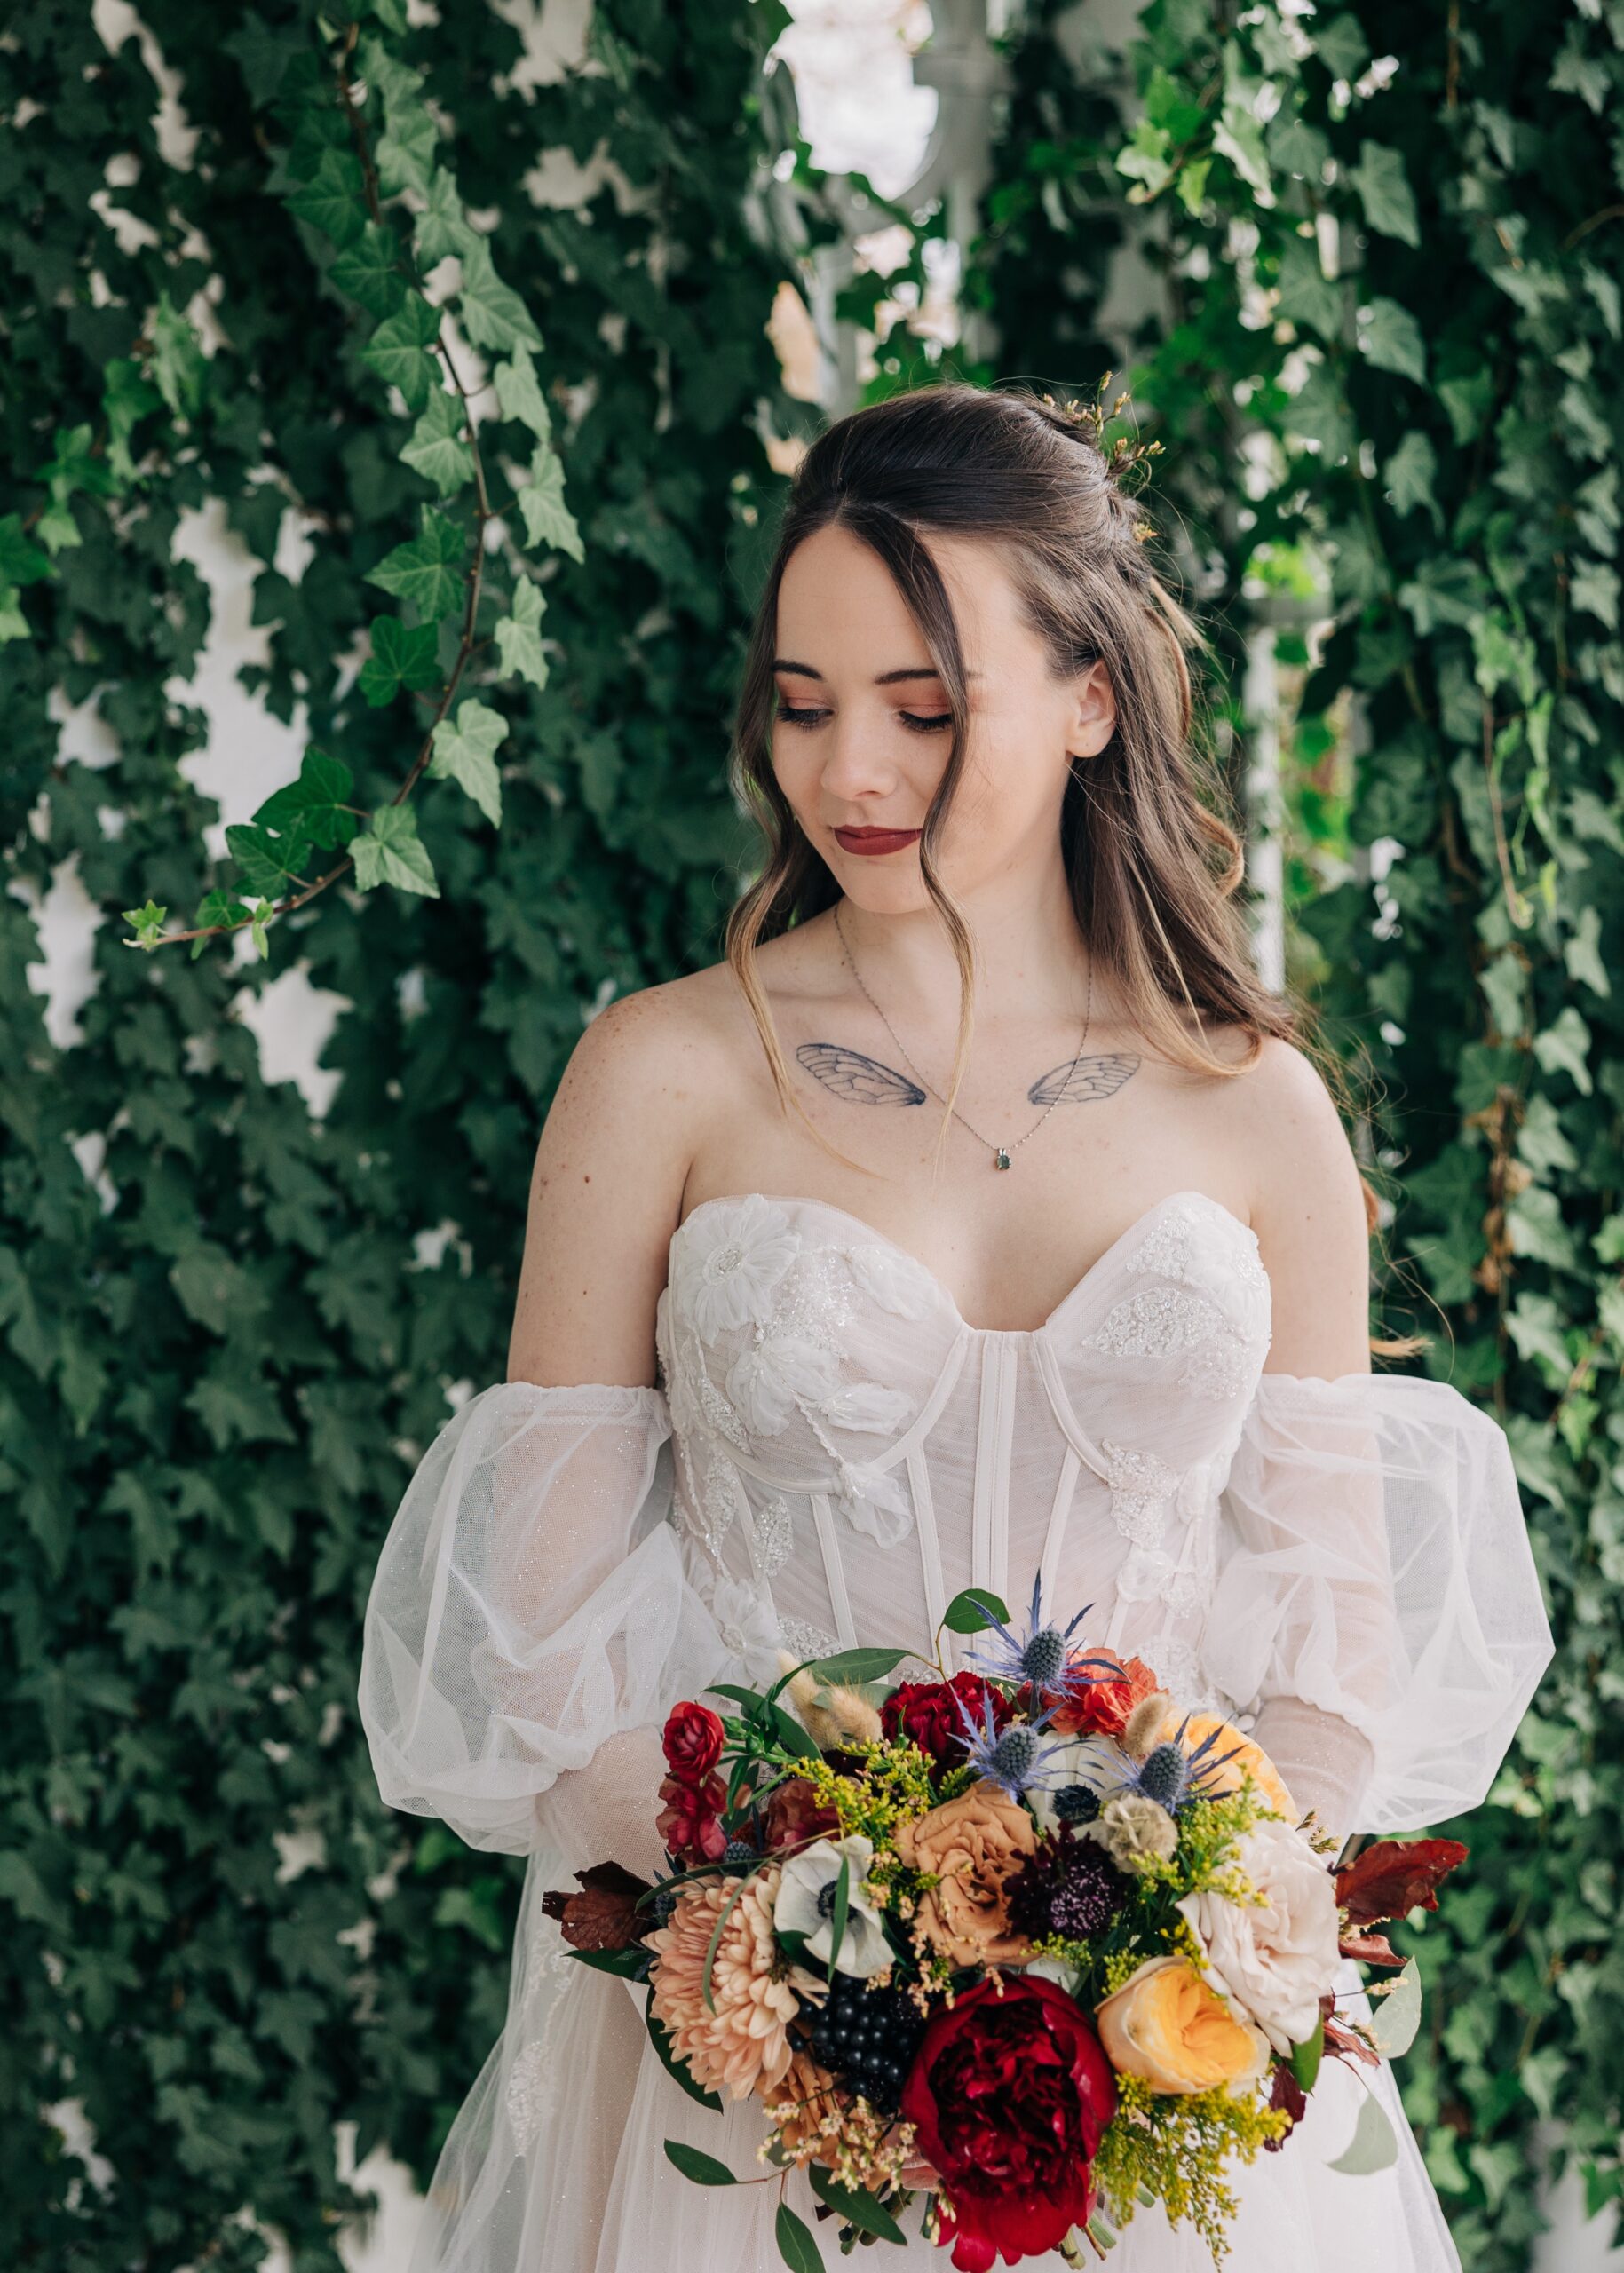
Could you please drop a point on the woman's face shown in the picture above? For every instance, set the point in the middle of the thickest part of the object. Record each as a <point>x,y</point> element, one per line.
<point>861,734</point>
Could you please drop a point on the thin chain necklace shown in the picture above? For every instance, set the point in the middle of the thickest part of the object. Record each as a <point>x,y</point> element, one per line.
<point>1002,1154</point>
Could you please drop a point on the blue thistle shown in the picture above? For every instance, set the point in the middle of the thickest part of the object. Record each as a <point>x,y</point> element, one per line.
<point>1037,1656</point>
<point>1014,1758</point>
<point>1172,1777</point>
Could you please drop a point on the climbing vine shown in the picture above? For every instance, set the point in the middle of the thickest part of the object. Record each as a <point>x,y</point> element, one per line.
<point>271,276</point>
<point>1384,341</point>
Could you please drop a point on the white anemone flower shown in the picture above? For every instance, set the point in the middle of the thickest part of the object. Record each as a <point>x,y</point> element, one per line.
<point>805,1904</point>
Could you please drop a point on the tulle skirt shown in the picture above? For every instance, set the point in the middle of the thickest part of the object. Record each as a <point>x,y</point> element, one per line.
<point>557,2164</point>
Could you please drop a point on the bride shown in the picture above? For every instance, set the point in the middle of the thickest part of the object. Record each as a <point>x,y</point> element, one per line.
<point>979,1216</point>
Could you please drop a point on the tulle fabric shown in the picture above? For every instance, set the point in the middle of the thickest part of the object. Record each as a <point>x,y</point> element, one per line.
<point>1376,1598</point>
<point>1339,1566</point>
<point>531,1619</point>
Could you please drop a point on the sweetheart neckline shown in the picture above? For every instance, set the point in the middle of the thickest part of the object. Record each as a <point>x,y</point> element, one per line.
<point>981,1333</point>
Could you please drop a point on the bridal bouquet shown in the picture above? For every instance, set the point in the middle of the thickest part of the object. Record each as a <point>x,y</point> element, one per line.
<point>1027,1947</point>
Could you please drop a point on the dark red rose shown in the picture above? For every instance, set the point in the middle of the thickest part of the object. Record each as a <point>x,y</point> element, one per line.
<point>690,1823</point>
<point>1098,1702</point>
<point>1009,2093</point>
<point>928,1713</point>
<point>692,1740</point>
<point>795,1816</point>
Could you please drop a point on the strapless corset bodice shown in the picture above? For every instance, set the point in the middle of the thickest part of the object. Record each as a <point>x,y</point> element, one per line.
<point>855,1452</point>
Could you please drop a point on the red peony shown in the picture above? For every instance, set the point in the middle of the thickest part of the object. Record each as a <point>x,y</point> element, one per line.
<point>928,1713</point>
<point>690,1822</point>
<point>692,1740</point>
<point>1101,1707</point>
<point>1009,2093</point>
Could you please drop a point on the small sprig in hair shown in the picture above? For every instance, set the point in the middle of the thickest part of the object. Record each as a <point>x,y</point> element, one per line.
<point>1125,456</point>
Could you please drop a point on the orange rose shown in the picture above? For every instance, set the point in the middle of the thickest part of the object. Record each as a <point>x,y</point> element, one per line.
<point>973,1845</point>
<point>1165,2025</point>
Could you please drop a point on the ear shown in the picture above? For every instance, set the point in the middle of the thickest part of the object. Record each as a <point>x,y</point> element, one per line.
<point>1093,717</point>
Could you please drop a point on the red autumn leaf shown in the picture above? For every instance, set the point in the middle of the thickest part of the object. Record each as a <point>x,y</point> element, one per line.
<point>1394,1876</point>
<point>1370,1949</point>
<point>1342,2044</point>
<point>604,1916</point>
<point>1289,2095</point>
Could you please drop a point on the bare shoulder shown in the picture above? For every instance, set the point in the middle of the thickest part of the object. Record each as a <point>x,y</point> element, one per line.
<point>1307,1208</point>
<point>606,1191</point>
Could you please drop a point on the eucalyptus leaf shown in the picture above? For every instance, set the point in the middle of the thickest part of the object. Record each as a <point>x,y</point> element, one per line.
<point>1374,2145</point>
<point>972,1610</point>
<point>858,2208</point>
<point>796,2244</point>
<point>1396,2011</point>
<point>703,2169</point>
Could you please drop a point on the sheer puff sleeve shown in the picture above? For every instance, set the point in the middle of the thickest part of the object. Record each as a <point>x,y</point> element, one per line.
<point>1377,1605</point>
<point>531,1622</point>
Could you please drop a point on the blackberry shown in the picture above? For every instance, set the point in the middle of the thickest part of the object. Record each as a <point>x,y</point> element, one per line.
<point>866,2038</point>
<point>1067,1886</point>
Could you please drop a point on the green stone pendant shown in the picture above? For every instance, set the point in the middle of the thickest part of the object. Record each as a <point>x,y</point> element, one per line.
<point>1000,1159</point>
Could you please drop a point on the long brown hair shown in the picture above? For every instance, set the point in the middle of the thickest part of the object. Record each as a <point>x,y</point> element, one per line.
<point>1152,864</point>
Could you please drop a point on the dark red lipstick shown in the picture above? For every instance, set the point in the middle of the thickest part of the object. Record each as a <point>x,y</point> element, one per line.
<point>875,840</point>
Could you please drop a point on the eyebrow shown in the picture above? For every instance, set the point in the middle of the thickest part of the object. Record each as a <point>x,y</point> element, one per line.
<point>885,678</point>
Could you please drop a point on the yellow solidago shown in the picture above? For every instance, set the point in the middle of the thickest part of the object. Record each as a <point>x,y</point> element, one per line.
<point>1177,2147</point>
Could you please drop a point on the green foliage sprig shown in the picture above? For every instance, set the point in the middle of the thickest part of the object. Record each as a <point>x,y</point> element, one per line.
<point>365,170</point>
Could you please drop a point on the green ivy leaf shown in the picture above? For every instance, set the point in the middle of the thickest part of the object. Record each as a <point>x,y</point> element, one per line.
<point>317,805</point>
<point>147,922</point>
<point>403,655</point>
<point>466,752</point>
<point>519,639</point>
<point>406,152</point>
<point>426,570</point>
<point>399,350</point>
<point>13,623</point>
<point>441,228</point>
<point>1390,338</point>
<point>519,393</point>
<point>437,450</point>
<point>493,315</point>
<point>370,271</point>
<point>177,364</point>
<point>1341,47</point>
<point>389,852</point>
<point>333,201</point>
<point>547,519</point>
<point>270,862</point>
<point>21,562</point>
<point>1384,191</point>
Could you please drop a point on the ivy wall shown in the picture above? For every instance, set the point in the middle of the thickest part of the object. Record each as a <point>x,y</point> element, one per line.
<point>1363,271</point>
<point>1379,259</point>
<point>228,1328</point>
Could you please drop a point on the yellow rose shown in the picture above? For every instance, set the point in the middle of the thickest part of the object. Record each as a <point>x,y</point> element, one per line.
<point>1249,1760</point>
<point>1165,2025</point>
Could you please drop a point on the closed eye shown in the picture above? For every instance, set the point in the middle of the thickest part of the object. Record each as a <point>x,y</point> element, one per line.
<point>793,716</point>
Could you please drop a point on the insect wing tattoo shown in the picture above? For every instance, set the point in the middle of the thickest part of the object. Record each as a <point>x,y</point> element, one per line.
<point>858,1078</point>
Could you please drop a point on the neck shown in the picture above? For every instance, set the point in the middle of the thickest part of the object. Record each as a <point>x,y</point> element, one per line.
<point>1030,960</point>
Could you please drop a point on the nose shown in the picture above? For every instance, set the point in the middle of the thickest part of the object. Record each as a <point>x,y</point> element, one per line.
<point>854,765</point>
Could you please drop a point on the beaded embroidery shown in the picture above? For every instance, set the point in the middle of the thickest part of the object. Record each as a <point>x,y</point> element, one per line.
<point>774,1537</point>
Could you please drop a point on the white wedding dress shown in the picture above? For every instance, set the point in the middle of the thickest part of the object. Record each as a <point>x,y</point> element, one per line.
<point>1339,1565</point>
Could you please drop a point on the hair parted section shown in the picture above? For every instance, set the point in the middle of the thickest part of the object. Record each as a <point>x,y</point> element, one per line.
<point>1152,863</point>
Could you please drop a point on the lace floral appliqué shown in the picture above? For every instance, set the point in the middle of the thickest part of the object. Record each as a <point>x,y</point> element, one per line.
<point>1170,1322</point>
